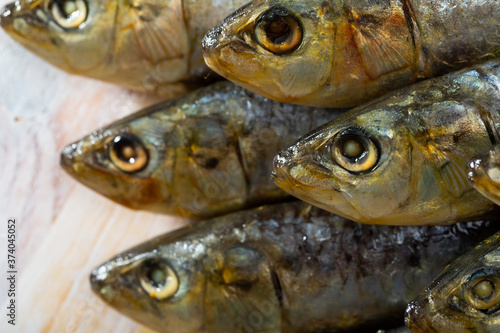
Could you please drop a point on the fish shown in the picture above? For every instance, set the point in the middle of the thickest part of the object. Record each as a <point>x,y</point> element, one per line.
<point>465,297</point>
<point>484,173</point>
<point>197,156</point>
<point>344,53</point>
<point>401,158</point>
<point>286,267</point>
<point>152,46</point>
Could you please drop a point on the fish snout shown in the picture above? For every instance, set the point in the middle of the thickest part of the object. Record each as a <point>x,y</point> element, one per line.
<point>282,159</point>
<point>281,166</point>
<point>7,15</point>
<point>68,156</point>
<point>101,283</point>
<point>212,39</point>
<point>416,316</point>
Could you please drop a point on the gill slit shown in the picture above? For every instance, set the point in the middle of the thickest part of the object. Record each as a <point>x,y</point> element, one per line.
<point>489,124</point>
<point>414,30</point>
<point>112,48</point>
<point>188,33</point>
<point>243,162</point>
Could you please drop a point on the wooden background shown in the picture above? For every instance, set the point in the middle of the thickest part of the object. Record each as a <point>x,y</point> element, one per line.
<point>63,229</point>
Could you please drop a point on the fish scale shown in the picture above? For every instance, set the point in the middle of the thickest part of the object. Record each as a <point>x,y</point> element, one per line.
<point>341,53</point>
<point>208,153</point>
<point>281,268</point>
<point>415,146</point>
<point>146,45</point>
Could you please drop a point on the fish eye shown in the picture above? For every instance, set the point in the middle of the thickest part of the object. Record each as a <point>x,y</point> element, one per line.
<point>354,151</point>
<point>128,153</point>
<point>483,293</point>
<point>278,31</point>
<point>158,279</point>
<point>69,13</point>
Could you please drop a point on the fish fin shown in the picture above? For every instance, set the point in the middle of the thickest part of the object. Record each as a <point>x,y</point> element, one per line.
<point>452,172</point>
<point>158,43</point>
<point>382,50</point>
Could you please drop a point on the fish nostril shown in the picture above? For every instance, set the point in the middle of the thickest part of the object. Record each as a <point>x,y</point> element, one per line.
<point>7,15</point>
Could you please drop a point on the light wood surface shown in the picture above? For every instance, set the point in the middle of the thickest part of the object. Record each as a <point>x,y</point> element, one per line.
<point>63,228</point>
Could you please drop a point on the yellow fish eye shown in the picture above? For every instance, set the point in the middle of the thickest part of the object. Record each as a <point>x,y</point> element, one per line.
<point>278,31</point>
<point>483,293</point>
<point>128,153</point>
<point>158,279</point>
<point>69,13</point>
<point>354,151</point>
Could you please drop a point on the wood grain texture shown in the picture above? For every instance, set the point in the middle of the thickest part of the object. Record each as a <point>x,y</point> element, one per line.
<point>63,228</point>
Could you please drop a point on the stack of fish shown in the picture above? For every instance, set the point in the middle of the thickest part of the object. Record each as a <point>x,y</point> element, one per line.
<point>399,161</point>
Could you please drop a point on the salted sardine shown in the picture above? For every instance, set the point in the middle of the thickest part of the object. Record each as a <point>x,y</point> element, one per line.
<point>402,158</point>
<point>200,155</point>
<point>280,268</point>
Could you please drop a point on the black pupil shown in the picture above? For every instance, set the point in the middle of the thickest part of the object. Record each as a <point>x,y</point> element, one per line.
<point>125,149</point>
<point>60,4</point>
<point>278,30</point>
<point>152,268</point>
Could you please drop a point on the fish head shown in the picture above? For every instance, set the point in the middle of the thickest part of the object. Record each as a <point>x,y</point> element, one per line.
<point>192,280</point>
<point>348,166</point>
<point>122,162</point>
<point>484,174</point>
<point>400,159</point>
<point>161,160</point>
<point>465,297</point>
<point>270,46</point>
<point>75,35</point>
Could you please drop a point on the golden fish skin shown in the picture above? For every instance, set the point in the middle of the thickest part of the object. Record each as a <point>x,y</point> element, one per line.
<point>147,45</point>
<point>401,158</point>
<point>200,155</point>
<point>280,268</point>
<point>484,174</point>
<point>341,53</point>
<point>465,297</point>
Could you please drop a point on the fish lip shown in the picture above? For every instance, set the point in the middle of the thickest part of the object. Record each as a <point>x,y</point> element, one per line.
<point>226,34</point>
<point>418,321</point>
<point>66,159</point>
<point>96,282</point>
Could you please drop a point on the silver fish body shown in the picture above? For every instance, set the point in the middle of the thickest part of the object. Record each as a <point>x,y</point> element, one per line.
<point>465,297</point>
<point>484,174</point>
<point>339,53</point>
<point>402,158</point>
<point>203,154</point>
<point>281,268</point>
<point>147,45</point>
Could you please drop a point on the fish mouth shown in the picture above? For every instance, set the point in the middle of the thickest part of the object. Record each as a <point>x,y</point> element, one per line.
<point>71,158</point>
<point>7,15</point>
<point>416,319</point>
<point>282,164</point>
<point>32,16</point>
<point>229,39</point>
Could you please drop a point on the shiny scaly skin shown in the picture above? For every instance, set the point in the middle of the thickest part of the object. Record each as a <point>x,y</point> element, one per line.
<point>147,45</point>
<point>210,152</point>
<point>484,174</point>
<point>426,134</point>
<point>442,308</point>
<point>300,269</point>
<point>354,51</point>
